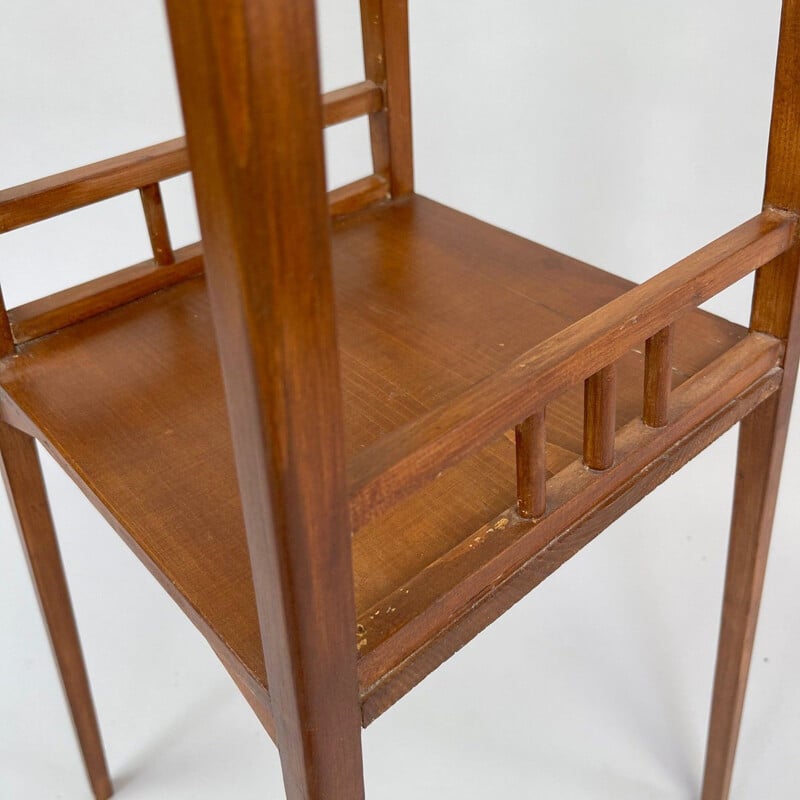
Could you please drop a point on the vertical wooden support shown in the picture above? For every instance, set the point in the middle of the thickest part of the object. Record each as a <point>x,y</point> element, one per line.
<point>6,336</point>
<point>762,436</point>
<point>599,418</point>
<point>19,463</point>
<point>373,37</point>
<point>386,59</point>
<point>156,219</point>
<point>658,378</point>
<point>249,80</point>
<point>531,439</point>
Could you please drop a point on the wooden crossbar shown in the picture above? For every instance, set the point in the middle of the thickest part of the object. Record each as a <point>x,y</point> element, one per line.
<point>55,311</point>
<point>496,565</point>
<point>56,194</point>
<point>48,197</point>
<point>402,461</point>
<point>505,543</point>
<point>48,314</point>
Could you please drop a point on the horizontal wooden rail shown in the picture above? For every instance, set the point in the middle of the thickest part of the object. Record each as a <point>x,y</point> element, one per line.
<point>455,597</point>
<point>78,303</point>
<point>47,197</point>
<point>56,311</point>
<point>351,102</point>
<point>57,194</point>
<point>357,195</point>
<point>456,581</point>
<point>402,461</point>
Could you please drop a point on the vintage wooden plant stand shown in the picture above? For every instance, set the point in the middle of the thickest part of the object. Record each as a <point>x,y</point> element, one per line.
<point>311,443</point>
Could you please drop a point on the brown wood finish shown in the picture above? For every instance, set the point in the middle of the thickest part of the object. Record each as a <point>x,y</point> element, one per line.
<point>404,460</point>
<point>19,463</point>
<point>156,220</point>
<point>147,454</point>
<point>384,25</point>
<point>6,336</point>
<point>62,309</point>
<point>351,102</point>
<point>453,583</point>
<point>373,39</point>
<point>47,197</point>
<point>335,472</point>
<point>531,445</point>
<point>354,196</point>
<point>599,418</point>
<point>59,310</point>
<point>507,590</point>
<point>278,351</point>
<point>67,191</point>
<point>762,437</point>
<point>398,94</point>
<point>658,377</point>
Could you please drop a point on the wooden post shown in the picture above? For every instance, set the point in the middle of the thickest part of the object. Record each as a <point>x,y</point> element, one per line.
<point>762,436</point>
<point>156,219</point>
<point>658,378</point>
<point>19,464</point>
<point>6,336</point>
<point>249,80</point>
<point>531,440</point>
<point>384,25</point>
<point>599,418</point>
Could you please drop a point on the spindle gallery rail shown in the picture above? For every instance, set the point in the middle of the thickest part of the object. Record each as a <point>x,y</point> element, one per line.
<point>144,170</point>
<point>399,463</point>
<point>455,596</point>
<point>423,621</point>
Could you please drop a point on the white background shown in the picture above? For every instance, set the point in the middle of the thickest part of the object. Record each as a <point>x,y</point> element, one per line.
<point>626,133</point>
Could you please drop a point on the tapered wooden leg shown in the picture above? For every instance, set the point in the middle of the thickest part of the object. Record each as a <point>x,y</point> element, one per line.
<point>23,478</point>
<point>762,439</point>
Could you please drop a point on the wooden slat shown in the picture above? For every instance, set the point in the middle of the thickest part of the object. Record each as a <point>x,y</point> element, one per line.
<point>48,314</point>
<point>56,311</point>
<point>658,377</point>
<point>66,191</point>
<point>372,31</point>
<point>531,442</point>
<point>47,197</point>
<point>256,143</point>
<point>599,409</point>
<point>398,95</point>
<point>357,195</point>
<point>454,582</point>
<point>549,554</point>
<point>352,102</point>
<point>156,220</point>
<point>403,460</point>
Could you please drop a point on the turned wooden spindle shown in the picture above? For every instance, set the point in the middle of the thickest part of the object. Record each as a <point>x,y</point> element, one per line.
<point>599,424</point>
<point>156,220</point>
<point>658,377</point>
<point>531,467</point>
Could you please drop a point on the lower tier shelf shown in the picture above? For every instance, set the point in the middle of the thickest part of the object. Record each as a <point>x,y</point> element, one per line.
<point>429,302</point>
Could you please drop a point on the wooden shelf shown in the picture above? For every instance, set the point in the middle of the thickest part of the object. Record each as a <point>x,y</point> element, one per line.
<point>429,302</point>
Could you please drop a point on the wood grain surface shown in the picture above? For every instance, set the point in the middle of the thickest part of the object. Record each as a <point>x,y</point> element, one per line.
<point>146,431</point>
